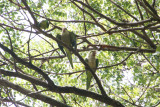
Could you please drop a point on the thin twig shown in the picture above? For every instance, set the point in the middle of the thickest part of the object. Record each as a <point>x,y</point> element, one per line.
<point>150,63</point>
<point>128,95</point>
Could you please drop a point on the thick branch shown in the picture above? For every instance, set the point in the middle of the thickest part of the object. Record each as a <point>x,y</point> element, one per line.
<point>29,93</point>
<point>111,48</point>
<point>24,76</point>
<point>150,7</point>
<point>150,12</point>
<point>146,38</point>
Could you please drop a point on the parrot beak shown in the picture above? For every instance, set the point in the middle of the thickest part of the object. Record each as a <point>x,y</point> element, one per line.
<point>64,29</point>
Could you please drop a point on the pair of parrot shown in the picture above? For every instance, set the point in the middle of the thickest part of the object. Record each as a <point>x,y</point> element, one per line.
<point>69,38</point>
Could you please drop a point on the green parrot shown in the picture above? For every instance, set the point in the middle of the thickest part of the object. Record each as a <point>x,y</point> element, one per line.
<point>43,24</point>
<point>93,63</point>
<point>69,38</point>
<point>59,45</point>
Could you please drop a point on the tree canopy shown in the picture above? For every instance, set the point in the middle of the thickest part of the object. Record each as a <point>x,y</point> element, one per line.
<point>124,33</point>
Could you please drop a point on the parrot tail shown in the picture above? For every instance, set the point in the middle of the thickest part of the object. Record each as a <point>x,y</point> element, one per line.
<point>69,55</point>
<point>89,77</point>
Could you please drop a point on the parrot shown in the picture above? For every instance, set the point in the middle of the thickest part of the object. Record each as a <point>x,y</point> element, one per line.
<point>93,63</point>
<point>44,24</point>
<point>69,38</point>
<point>59,45</point>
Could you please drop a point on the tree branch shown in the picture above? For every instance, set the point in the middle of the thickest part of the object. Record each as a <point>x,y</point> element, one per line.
<point>29,93</point>
<point>91,16</point>
<point>17,102</point>
<point>124,10</point>
<point>66,89</point>
<point>29,65</point>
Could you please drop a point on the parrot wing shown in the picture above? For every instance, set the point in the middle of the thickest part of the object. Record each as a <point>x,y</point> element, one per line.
<point>69,55</point>
<point>86,61</point>
<point>66,38</point>
<point>73,40</point>
<point>59,45</point>
<point>97,62</point>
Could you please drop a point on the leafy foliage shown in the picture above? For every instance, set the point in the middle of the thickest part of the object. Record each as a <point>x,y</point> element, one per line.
<point>125,34</point>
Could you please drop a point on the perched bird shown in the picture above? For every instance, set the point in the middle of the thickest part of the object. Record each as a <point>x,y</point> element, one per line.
<point>43,24</point>
<point>93,63</point>
<point>59,45</point>
<point>69,38</point>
